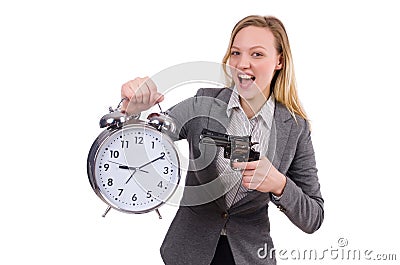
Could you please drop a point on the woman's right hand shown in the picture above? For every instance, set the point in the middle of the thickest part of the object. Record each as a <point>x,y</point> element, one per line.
<point>141,93</point>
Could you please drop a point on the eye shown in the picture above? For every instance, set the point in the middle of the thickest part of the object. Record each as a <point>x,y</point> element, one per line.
<point>233,53</point>
<point>257,54</point>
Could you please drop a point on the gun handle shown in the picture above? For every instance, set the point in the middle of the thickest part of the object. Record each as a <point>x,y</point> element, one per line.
<point>254,155</point>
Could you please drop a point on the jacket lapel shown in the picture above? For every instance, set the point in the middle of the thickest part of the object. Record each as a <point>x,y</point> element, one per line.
<point>218,119</point>
<point>280,131</point>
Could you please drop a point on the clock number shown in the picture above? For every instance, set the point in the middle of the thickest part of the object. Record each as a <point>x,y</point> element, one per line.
<point>148,194</point>
<point>166,169</point>
<point>125,144</point>
<point>120,191</point>
<point>114,154</point>
<point>160,185</point>
<point>152,145</point>
<point>110,182</point>
<point>138,140</point>
<point>106,166</point>
<point>134,198</point>
<point>162,155</point>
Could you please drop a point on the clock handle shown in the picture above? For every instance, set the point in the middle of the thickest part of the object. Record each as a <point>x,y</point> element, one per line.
<point>159,215</point>
<point>160,107</point>
<point>106,212</point>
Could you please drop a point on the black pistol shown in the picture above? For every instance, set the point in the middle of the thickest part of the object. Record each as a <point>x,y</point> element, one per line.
<point>236,148</point>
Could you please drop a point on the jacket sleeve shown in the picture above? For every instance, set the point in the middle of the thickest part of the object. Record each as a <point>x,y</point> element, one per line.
<point>301,200</point>
<point>182,114</point>
<point>191,112</point>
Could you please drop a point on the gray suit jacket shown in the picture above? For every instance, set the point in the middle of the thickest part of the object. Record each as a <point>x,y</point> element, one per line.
<point>193,235</point>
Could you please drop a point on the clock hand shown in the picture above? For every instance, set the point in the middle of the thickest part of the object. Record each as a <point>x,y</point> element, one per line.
<point>133,173</point>
<point>133,168</point>
<point>154,160</point>
<point>122,166</point>
<point>126,167</point>
<point>139,168</point>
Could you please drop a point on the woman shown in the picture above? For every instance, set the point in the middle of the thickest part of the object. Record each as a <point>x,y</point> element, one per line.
<point>263,103</point>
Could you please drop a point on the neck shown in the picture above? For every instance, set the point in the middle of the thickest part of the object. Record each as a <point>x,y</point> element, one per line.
<point>249,109</point>
<point>253,105</point>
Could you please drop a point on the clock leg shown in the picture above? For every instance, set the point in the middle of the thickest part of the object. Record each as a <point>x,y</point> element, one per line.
<point>159,215</point>
<point>106,212</point>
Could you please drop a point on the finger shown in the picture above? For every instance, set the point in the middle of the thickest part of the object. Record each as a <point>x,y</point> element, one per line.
<point>147,87</point>
<point>132,88</point>
<point>246,179</point>
<point>159,98</point>
<point>139,98</point>
<point>156,97</point>
<point>126,92</point>
<point>124,105</point>
<point>248,172</point>
<point>146,94</point>
<point>151,85</point>
<point>239,165</point>
<point>143,93</point>
<point>246,165</point>
<point>153,95</point>
<point>248,183</point>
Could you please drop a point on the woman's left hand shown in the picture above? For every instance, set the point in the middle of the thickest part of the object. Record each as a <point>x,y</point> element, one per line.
<point>261,175</point>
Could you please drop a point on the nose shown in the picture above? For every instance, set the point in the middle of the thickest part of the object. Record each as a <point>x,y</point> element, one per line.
<point>244,62</point>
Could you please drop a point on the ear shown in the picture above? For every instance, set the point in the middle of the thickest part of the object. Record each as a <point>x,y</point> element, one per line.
<point>279,63</point>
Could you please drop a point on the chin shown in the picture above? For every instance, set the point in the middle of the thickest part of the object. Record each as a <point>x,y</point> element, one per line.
<point>248,93</point>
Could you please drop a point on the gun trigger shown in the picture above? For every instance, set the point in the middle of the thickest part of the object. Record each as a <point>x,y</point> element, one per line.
<point>251,144</point>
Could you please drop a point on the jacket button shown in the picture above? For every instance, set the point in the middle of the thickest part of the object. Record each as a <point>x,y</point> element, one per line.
<point>281,208</point>
<point>225,215</point>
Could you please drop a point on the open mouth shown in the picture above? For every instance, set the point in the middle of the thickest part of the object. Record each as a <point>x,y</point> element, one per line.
<point>244,78</point>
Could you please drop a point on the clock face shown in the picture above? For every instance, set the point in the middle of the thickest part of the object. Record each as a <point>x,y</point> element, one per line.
<point>136,169</point>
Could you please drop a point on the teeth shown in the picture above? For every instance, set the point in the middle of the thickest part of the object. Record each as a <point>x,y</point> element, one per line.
<point>243,76</point>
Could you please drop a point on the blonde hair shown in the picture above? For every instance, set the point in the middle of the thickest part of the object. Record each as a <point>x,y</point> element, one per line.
<point>283,83</point>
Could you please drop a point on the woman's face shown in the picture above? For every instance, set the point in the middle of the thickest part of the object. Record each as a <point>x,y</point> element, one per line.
<point>254,61</point>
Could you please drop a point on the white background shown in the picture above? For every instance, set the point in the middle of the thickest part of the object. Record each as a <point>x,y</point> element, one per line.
<point>62,64</point>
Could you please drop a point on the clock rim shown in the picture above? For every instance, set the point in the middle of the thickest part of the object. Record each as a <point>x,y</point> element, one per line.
<point>93,155</point>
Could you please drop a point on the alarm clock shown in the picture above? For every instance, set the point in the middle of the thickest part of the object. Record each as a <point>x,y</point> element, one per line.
<point>133,165</point>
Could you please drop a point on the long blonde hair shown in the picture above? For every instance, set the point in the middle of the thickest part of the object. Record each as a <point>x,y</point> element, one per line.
<point>284,82</point>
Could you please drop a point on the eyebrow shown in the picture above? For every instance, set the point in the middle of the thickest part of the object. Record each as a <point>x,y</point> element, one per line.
<point>251,48</point>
